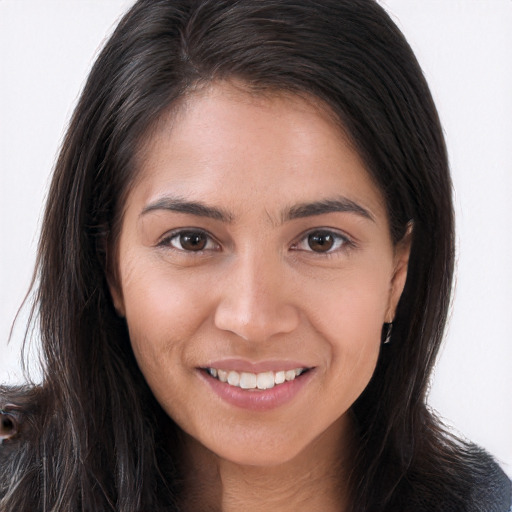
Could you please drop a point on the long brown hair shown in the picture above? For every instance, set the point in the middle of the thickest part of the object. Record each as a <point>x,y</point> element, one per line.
<point>102,430</point>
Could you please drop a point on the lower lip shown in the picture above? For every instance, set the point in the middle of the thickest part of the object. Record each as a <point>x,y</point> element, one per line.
<point>256,399</point>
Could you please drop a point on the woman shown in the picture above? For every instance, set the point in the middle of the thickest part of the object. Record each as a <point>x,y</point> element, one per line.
<point>244,274</point>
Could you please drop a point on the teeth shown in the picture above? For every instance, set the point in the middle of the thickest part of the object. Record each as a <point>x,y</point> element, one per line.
<point>290,374</point>
<point>265,380</point>
<point>280,377</point>
<point>246,380</point>
<point>233,378</point>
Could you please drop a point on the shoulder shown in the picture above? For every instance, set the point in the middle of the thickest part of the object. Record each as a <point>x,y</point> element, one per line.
<point>472,482</point>
<point>22,412</point>
<point>491,489</point>
<point>21,408</point>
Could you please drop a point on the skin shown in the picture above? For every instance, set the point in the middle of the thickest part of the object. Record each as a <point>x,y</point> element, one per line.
<point>258,291</point>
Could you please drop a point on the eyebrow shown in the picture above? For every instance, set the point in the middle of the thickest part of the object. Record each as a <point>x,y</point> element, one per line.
<point>176,204</point>
<point>341,204</point>
<point>299,211</point>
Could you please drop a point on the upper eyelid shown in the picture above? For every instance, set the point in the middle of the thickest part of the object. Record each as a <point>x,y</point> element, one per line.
<point>333,231</point>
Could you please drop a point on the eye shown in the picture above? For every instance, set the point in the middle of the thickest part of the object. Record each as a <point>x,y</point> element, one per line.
<point>321,241</point>
<point>190,240</point>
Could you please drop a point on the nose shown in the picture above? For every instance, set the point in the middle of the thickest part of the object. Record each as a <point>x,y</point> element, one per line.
<point>256,301</point>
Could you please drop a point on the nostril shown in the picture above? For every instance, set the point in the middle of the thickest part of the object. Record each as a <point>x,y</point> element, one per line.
<point>8,427</point>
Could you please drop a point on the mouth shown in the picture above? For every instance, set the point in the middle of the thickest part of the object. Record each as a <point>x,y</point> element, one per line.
<point>255,381</point>
<point>258,387</point>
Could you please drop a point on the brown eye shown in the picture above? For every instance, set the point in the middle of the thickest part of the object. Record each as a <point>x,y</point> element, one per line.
<point>192,240</point>
<point>321,241</point>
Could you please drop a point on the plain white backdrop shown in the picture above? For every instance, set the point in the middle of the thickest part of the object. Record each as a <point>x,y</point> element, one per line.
<point>465,49</point>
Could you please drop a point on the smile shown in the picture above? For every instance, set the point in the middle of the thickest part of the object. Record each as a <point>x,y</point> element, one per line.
<point>247,380</point>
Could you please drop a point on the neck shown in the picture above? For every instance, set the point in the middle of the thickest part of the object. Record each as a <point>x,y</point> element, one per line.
<point>315,479</point>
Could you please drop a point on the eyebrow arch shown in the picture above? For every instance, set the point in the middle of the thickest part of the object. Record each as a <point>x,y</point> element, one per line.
<point>177,204</point>
<point>341,204</point>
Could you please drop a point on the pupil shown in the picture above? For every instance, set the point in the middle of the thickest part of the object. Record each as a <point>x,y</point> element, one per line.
<point>320,242</point>
<point>193,241</point>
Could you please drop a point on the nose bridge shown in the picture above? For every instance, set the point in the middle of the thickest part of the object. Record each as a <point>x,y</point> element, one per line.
<point>254,303</point>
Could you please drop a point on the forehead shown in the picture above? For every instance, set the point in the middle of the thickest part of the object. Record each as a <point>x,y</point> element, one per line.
<point>278,148</point>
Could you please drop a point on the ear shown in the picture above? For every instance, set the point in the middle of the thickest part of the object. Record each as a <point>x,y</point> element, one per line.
<point>114,286</point>
<point>117,296</point>
<point>107,257</point>
<point>401,264</point>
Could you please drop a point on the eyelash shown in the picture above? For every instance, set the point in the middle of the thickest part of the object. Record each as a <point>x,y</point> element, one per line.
<point>340,242</point>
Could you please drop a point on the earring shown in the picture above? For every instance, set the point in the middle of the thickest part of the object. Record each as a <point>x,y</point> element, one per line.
<point>387,328</point>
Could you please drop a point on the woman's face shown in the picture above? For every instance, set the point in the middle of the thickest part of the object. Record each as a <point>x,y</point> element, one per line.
<point>255,248</point>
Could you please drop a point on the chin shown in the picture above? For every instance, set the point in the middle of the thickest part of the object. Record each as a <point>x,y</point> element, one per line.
<point>261,448</point>
<point>258,457</point>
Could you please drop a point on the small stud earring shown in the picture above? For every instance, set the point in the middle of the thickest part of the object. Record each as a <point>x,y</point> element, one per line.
<point>387,328</point>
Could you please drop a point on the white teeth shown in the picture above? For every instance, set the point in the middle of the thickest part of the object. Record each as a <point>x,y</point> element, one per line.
<point>233,378</point>
<point>290,374</point>
<point>265,380</point>
<point>280,378</point>
<point>246,380</point>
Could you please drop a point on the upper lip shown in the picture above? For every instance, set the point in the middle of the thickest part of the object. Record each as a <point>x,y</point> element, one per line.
<point>241,365</point>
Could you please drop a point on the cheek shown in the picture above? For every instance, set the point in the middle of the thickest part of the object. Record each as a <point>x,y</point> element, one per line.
<point>161,319</point>
<point>351,307</point>
<point>162,312</point>
<point>349,315</point>
<point>154,297</point>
